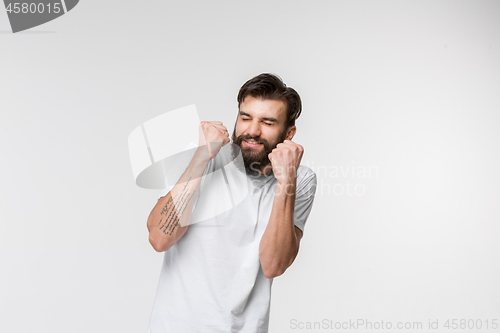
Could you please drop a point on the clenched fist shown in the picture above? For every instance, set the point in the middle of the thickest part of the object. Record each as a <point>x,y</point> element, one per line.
<point>213,136</point>
<point>285,160</point>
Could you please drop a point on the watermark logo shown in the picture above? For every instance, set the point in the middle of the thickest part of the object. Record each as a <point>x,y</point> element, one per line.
<point>160,151</point>
<point>25,14</point>
<point>343,180</point>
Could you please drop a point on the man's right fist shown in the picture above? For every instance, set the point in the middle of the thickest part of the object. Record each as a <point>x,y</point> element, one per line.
<point>214,136</point>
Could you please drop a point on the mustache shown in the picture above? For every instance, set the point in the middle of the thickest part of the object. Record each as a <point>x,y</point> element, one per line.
<point>249,137</point>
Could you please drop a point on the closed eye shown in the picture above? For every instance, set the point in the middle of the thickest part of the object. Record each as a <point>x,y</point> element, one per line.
<point>265,122</point>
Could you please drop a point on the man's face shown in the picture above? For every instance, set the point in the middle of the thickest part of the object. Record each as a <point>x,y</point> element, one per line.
<point>259,127</point>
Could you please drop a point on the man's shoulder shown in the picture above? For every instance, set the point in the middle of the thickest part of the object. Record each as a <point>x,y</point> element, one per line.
<point>305,172</point>
<point>306,179</point>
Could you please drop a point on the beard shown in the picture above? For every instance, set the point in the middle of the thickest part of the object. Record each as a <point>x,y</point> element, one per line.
<point>255,159</point>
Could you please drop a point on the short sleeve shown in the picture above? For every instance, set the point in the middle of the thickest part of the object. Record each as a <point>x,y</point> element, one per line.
<point>304,198</point>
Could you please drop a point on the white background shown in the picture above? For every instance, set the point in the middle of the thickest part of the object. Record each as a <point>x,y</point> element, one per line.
<point>409,88</point>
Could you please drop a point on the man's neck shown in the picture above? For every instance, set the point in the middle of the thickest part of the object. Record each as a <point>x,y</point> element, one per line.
<point>265,170</point>
<point>262,172</point>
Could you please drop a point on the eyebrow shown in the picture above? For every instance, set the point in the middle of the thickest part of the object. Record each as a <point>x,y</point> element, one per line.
<point>274,120</point>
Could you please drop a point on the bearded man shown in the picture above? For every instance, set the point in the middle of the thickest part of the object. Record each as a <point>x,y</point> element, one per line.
<point>217,273</point>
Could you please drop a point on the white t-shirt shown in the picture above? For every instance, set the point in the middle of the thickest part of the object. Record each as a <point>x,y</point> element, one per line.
<point>211,280</point>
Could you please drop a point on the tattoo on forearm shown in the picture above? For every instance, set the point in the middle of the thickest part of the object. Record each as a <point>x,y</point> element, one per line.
<point>167,206</point>
<point>174,210</point>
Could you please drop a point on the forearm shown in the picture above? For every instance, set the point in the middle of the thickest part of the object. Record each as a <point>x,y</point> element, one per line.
<point>279,244</point>
<point>170,217</point>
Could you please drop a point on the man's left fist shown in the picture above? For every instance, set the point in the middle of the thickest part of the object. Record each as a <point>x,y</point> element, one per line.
<point>285,160</point>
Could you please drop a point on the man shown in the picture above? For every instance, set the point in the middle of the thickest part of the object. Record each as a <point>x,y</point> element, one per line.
<point>217,273</point>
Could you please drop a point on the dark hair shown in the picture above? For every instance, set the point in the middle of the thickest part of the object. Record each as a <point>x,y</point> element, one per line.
<point>270,86</point>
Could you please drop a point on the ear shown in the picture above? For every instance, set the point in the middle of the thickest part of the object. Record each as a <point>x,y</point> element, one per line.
<point>291,132</point>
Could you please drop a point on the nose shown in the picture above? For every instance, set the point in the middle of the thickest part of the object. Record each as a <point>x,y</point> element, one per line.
<point>253,129</point>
